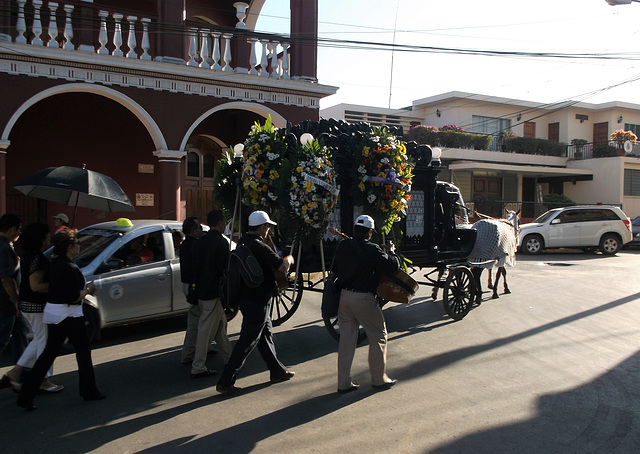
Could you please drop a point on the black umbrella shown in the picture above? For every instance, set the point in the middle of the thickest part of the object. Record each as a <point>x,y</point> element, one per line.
<point>76,187</point>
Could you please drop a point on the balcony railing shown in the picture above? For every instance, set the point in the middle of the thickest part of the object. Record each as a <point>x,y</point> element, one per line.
<point>600,150</point>
<point>119,34</point>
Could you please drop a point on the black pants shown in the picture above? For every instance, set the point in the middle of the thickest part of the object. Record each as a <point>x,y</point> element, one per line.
<point>256,330</point>
<point>74,329</point>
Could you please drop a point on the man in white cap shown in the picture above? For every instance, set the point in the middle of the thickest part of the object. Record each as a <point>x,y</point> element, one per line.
<point>60,222</point>
<point>358,264</point>
<point>255,306</point>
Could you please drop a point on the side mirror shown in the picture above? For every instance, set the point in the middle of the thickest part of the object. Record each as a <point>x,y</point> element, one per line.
<point>110,265</point>
<point>555,221</point>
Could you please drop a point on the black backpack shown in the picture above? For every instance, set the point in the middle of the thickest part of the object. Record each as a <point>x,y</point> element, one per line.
<point>242,270</point>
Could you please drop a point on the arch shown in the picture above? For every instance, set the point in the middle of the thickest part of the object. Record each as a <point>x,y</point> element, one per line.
<point>125,101</point>
<point>278,120</point>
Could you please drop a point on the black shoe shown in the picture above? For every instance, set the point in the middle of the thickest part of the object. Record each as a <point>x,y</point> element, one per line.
<point>5,382</point>
<point>96,396</point>
<point>288,375</point>
<point>352,387</point>
<point>228,390</point>
<point>25,403</point>
<point>206,373</point>
<point>385,385</point>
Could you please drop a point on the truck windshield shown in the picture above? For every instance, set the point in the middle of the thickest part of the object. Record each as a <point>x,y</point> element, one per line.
<point>92,243</point>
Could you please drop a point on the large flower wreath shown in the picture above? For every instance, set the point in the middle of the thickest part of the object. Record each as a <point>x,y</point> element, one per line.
<point>312,190</point>
<point>382,177</point>
<point>264,151</point>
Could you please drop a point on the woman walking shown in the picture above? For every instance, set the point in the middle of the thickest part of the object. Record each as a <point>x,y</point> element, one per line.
<point>63,315</point>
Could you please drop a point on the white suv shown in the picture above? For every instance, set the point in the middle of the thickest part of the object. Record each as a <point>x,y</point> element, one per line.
<point>584,227</point>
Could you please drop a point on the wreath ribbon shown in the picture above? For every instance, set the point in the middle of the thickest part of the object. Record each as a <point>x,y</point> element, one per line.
<point>332,189</point>
<point>389,179</point>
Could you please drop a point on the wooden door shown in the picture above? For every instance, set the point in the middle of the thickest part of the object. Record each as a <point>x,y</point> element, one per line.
<point>529,129</point>
<point>601,132</point>
<point>554,132</point>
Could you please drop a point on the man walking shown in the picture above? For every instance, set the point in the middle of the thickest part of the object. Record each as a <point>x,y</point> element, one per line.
<point>358,264</point>
<point>13,327</point>
<point>211,255</point>
<point>255,306</point>
<point>192,230</point>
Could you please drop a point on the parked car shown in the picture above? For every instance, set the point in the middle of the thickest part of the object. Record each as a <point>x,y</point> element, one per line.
<point>635,229</point>
<point>136,268</point>
<point>585,227</point>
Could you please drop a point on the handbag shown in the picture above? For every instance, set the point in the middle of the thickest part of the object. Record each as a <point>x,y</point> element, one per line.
<point>330,296</point>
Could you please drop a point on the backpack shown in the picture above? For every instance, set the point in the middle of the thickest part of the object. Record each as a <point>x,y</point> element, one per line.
<point>242,270</point>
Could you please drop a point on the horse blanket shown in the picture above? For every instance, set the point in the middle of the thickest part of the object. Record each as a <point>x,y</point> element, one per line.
<point>495,244</point>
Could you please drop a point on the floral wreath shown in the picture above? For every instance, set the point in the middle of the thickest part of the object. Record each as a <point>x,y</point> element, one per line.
<point>382,179</point>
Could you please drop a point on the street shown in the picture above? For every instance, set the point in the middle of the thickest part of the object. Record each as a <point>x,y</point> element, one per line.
<point>552,367</point>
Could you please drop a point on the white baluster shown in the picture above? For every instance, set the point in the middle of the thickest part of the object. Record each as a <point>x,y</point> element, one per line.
<point>193,47</point>
<point>285,60</point>
<point>21,25</point>
<point>103,38</point>
<point>227,52</point>
<point>253,61</point>
<point>68,28</point>
<point>52,30</point>
<point>37,25</point>
<point>131,41</point>
<point>146,45</point>
<point>275,65</point>
<point>216,51</point>
<point>241,13</point>
<point>264,60</point>
<point>117,36</point>
<point>205,53</point>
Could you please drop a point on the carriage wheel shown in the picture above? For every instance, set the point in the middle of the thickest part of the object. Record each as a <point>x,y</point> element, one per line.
<point>331,323</point>
<point>459,292</point>
<point>285,302</point>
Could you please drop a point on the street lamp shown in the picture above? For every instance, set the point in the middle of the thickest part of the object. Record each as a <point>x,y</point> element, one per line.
<point>621,2</point>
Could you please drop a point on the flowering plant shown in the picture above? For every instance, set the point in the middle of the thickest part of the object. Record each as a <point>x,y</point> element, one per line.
<point>507,135</point>
<point>226,181</point>
<point>263,153</point>
<point>451,128</point>
<point>622,136</point>
<point>382,177</point>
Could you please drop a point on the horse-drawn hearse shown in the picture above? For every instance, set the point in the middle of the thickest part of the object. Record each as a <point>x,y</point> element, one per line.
<point>317,177</point>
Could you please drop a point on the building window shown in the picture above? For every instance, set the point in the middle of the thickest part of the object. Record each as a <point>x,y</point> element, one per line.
<point>633,128</point>
<point>489,125</point>
<point>631,182</point>
<point>193,164</point>
<point>207,166</point>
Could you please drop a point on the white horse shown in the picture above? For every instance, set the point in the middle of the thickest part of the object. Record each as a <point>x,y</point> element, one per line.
<point>496,245</point>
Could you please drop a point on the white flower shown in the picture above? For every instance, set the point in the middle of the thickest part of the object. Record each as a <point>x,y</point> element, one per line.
<point>371,198</point>
<point>384,161</point>
<point>272,156</point>
<point>272,196</point>
<point>263,137</point>
<point>362,170</point>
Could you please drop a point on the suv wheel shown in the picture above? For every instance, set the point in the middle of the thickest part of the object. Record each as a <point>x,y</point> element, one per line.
<point>609,244</point>
<point>532,244</point>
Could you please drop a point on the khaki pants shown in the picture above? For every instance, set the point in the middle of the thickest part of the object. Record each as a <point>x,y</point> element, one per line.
<point>361,309</point>
<point>212,323</point>
<point>191,334</point>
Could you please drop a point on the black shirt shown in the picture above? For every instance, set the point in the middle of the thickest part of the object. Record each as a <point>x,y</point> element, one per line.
<point>358,263</point>
<point>65,281</point>
<point>31,263</point>
<point>8,268</point>
<point>187,263</point>
<point>211,256</point>
<point>269,261</point>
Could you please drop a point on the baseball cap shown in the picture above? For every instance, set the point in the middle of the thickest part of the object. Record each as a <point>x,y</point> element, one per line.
<point>258,218</point>
<point>365,221</point>
<point>63,217</point>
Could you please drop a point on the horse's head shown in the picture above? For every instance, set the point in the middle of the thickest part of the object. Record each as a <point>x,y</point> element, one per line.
<point>513,218</point>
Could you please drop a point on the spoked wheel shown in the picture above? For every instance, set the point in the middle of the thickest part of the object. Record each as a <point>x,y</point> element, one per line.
<point>331,323</point>
<point>459,292</point>
<point>285,302</point>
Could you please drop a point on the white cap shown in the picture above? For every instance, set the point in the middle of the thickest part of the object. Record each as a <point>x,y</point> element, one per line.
<point>63,217</point>
<point>258,218</point>
<point>365,221</point>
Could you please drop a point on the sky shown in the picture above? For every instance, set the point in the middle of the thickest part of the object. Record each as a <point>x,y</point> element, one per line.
<point>395,78</point>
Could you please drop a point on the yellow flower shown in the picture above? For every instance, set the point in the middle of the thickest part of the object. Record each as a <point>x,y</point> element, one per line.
<point>274,175</point>
<point>299,169</point>
<point>361,186</point>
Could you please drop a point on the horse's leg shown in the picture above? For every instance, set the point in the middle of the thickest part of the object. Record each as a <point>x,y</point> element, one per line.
<point>477,274</point>
<point>504,274</point>
<point>495,284</point>
<point>489,284</point>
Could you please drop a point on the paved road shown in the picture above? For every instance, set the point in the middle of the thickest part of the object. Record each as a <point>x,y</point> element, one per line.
<point>551,368</point>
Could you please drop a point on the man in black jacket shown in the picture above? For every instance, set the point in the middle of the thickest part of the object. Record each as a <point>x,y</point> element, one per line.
<point>211,255</point>
<point>255,306</point>
<point>192,230</point>
<point>358,264</point>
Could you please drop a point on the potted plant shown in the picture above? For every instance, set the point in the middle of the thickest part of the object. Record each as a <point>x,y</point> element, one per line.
<point>620,136</point>
<point>578,144</point>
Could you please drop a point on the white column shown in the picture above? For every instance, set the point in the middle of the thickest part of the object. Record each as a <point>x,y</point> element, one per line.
<point>103,38</point>
<point>52,30</point>
<point>253,60</point>
<point>131,41</point>
<point>285,60</point>
<point>205,53</point>
<point>21,25</point>
<point>264,60</point>
<point>227,52</point>
<point>241,13</point>
<point>68,29</point>
<point>117,36</point>
<point>37,25</point>
<point>274,61</point>
<point>193,47</point>
<point>146,45</point>
<point>216,51</point>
